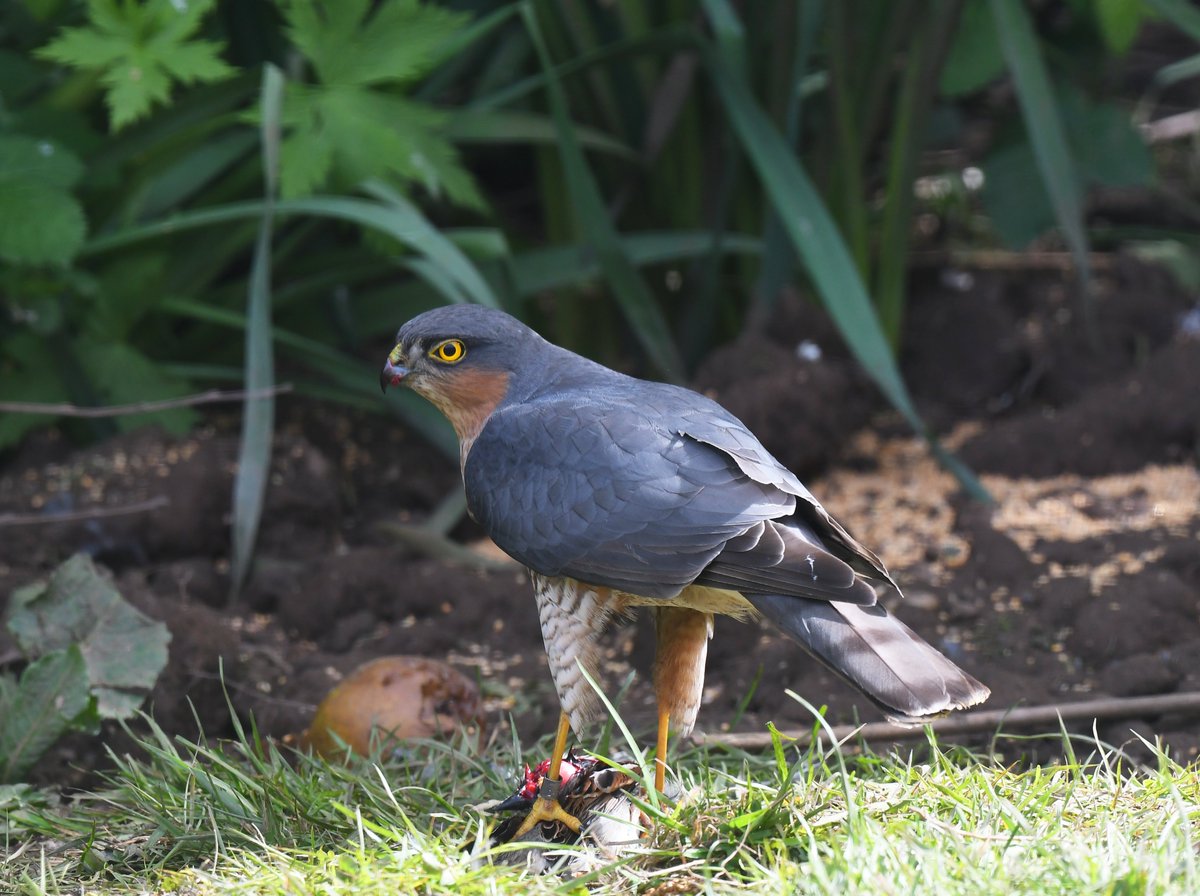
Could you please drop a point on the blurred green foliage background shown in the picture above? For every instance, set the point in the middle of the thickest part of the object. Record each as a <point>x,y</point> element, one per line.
<point>199,192</point>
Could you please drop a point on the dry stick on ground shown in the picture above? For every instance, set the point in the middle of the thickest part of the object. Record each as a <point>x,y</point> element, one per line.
<point>75,516</point>
<point>975,722</point>
<point>1004,260</point>
<point>213,396</point>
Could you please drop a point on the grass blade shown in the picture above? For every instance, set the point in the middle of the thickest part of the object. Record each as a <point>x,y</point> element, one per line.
<point>258,418</point>
<point>392,215</point>
<point>495,127</point>
<point>630,290</point>
<point>918,87</point>
<point>1180,13</point>
<point>779,259</point>
<point>355,381</point>
<point>816,240</point>
<point>1047,137</point>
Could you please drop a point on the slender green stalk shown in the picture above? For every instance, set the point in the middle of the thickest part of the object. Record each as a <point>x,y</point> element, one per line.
<point>258,416</point>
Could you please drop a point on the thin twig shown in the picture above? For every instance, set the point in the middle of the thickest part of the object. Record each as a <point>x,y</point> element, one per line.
<point>74,516</point>
<point>975,722</point>
<point>1004,260</point>
<point>213,396</point>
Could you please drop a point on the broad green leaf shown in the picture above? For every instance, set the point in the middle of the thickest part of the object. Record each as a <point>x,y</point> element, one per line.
<point>974,59</point>
<point>121,374</point>
<point>140,51</point>
<point>346,129</point>
<point>18,77</point>
<point>352,134</point>
<point>53,691</point>
<point>355,42</point>
<point>1105,142</point>
<point>39,224</point>
<point>258,414</point>
<point>1014,197</point>
<point>1107,150</point>
<point>124,650</point>
<point>129,286</point>
<point>28,372</point>
<point>1119,22</point>
<point>40,221</point>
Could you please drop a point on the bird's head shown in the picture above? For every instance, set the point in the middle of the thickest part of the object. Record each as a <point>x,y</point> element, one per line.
<point>462,358</point>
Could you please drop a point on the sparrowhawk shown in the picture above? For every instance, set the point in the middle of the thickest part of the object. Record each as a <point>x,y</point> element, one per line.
<point>617,493</point>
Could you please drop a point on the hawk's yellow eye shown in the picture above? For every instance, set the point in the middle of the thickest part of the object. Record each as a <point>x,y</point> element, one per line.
<point>450,352</point>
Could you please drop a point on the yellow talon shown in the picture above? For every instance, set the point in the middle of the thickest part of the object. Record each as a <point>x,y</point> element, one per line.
<point>547,808</point>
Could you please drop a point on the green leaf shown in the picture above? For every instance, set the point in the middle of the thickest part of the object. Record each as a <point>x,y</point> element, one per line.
<point>128,287</point>
<point>347,130</point>
<point>394,216</point>
<point>258,415</point>
<point>513,126</point>
<point>1104,142</point>
<point>430,242</point>
<point>40,221</point>
<point>140,51</point>
<point>820,246</point>
<point>356,42</point>
<point>555,267</point>
<point>352,134</point>
<point>28,372</point>
<point>52,693</point>
<point>121,374</point>
<point>1180,13</point>
<point>18,77</point>
<point>8,693</point>
<point>77,608</point>
<point>629,289</point>
<point>974,59</point>
<point>357,382</point>
<point>1046,135</point>
<point>1119,22</point>
<point>1014,197</point>
<point>1107,150</point>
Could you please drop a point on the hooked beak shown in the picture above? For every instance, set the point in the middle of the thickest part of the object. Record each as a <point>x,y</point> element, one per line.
<point>393,371</point>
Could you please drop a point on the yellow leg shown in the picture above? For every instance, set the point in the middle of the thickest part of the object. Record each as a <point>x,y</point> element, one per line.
<point>546,807</point>
<point>560,745</point>
<point>660,756</point>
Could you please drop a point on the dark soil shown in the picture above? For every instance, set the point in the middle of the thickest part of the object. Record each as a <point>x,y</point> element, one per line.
<point>1082,580</point>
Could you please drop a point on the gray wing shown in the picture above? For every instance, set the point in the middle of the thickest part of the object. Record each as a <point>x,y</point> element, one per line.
<point>811,521</point>
<point>621,494</point>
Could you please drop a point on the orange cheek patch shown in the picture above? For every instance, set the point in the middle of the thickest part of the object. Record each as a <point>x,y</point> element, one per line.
<point>468,397</point>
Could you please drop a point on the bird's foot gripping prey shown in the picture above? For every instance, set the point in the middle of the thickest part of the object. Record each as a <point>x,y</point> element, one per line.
<point>619,493</point>
<point>595,807</point>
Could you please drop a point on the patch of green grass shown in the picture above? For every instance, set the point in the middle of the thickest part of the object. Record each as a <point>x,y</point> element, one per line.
<point>241,818</point>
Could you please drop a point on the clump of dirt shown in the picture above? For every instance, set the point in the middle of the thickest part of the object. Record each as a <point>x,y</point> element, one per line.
<point>1082,579</point>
